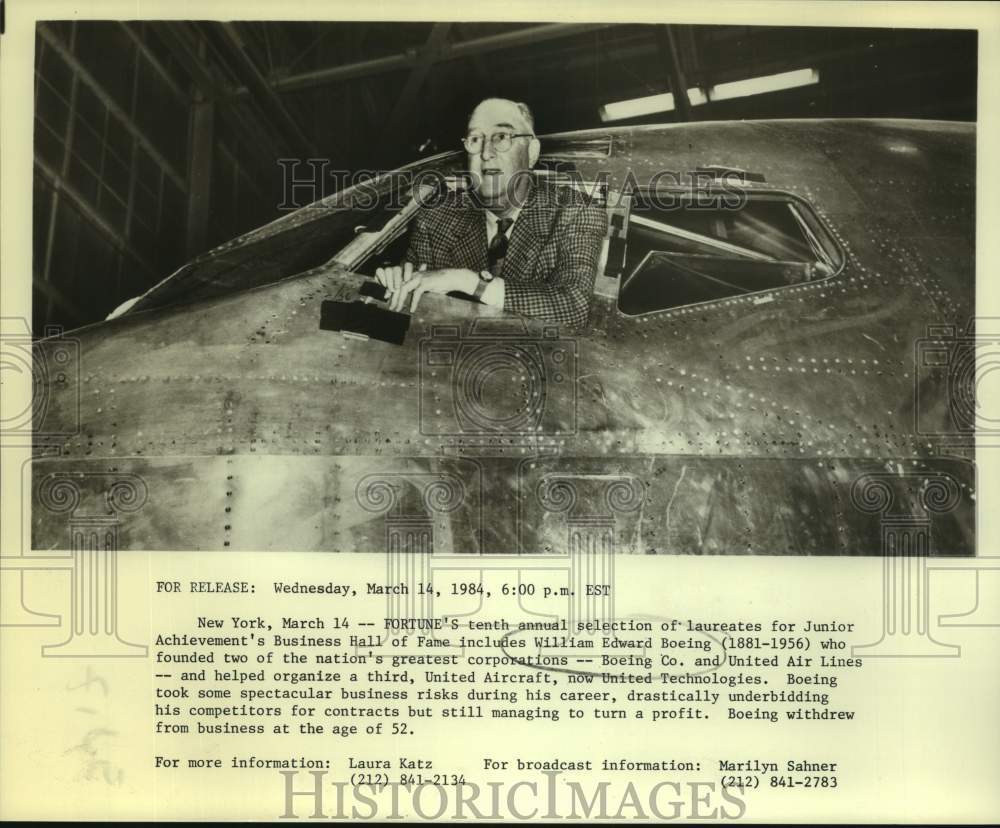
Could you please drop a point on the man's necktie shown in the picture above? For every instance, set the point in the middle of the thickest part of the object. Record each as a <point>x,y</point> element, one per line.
<point>497,250</point>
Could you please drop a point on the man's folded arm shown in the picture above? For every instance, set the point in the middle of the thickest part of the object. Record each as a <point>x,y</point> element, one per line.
<point>565,297</point>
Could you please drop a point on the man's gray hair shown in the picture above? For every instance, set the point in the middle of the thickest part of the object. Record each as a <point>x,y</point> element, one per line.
<point>527,114</point>
<point>522,108</point>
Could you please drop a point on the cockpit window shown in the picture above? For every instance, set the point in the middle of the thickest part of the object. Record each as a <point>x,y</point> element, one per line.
<point>685,248</point>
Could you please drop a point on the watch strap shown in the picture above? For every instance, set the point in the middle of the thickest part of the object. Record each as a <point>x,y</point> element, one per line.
<point>485,277</point>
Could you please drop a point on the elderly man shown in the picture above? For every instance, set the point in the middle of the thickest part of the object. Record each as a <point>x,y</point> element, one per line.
<point>528,248</point>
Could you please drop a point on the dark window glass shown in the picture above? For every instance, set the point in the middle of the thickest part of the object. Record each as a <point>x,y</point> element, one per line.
<point>684,250</point>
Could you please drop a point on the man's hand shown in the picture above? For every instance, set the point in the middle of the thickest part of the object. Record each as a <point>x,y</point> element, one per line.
<point>404,285</point>
<point>393,277</point>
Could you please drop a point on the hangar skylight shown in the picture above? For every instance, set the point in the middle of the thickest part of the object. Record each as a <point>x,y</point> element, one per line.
<point>664,102</point>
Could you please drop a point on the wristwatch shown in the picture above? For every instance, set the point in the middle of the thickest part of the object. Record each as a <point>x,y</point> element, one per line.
<point>485,277</point>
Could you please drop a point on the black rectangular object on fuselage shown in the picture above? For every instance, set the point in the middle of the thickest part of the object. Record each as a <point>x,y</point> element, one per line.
<point>365,319</point>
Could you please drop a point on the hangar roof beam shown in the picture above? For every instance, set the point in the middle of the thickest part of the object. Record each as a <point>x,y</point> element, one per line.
<point>410,58</point>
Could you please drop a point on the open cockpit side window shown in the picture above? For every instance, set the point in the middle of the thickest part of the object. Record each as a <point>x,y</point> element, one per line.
<point>383,240</point>
<point>685,248</point>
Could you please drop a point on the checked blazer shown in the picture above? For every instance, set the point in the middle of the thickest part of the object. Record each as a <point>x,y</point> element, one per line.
<point>552,257</point>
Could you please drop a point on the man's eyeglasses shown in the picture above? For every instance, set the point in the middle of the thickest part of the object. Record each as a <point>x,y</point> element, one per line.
<point>500,141</point>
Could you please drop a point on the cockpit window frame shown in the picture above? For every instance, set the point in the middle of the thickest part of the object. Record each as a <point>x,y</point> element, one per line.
<point>815,229</point>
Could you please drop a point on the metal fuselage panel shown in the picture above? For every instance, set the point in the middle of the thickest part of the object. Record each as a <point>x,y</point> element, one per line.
<point>737,408</point>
